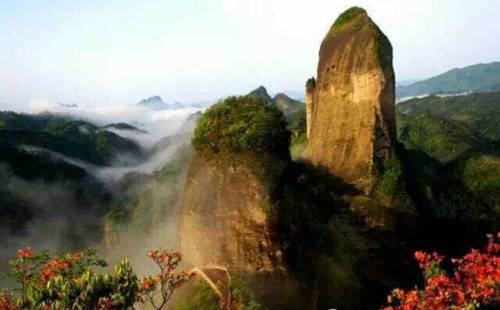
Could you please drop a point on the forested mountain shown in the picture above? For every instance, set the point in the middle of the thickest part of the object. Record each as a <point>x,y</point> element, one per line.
<point>70,137</point>
<point>475,78</point>
<point>480,112</point>
<point>461,134</point>
<point>341,202</point>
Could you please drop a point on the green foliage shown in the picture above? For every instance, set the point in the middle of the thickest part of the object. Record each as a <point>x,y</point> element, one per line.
<point>298,146</point>
<point>478,112</point>
<point>441,138</point>
<point>305,203</point>
<point>70,281</point>
<point>241,125</point>
<point>297,126</point>
<point>200,296</point>
<point>241,291</point>
<point>67,136</point>
<point>391,180</point>
<point>481,175</point>
<point>338,274</point>
<point>146,200</point>
<point>475,196</point>
<point>346,17</point>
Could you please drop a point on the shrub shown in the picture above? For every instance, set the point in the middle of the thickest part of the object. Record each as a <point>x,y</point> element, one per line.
<point>69,281</point>
<point>347,16</point>
<point>474,283</point>
<point>241,125</point>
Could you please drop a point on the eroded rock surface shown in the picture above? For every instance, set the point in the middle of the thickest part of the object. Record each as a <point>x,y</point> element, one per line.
<point>224,219</point>
<point>352,127</point>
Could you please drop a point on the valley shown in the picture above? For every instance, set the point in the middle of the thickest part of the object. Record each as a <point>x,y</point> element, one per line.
<point>341,198</point>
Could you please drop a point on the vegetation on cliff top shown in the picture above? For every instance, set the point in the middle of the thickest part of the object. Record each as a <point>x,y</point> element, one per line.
<point>311,83</point>
<point>348,16</point>
<point>246,124</point>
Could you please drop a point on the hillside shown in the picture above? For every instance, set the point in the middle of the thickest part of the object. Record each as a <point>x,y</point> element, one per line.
<point>442,138</point>
<point>461,135</point>
<point>70,137</point>
<point>480,112</point>
<point>44,199</point>
<point>475,78</point>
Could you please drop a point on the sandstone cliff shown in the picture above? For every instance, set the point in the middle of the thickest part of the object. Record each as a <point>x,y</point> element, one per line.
<point>226,217</point>
<point>352,126</point>
<point>241,147</point>
<point>310,87</point>
<point>223,218</point>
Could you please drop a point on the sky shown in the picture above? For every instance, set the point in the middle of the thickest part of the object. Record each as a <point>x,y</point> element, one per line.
<point>105,53</point>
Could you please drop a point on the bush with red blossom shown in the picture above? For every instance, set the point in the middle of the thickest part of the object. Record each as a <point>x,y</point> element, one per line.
<point>474,283</point>
<point>69,281</point>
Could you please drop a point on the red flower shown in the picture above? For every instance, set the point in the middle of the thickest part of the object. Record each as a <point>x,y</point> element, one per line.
<point>476,281</point>
<point>25,253</point>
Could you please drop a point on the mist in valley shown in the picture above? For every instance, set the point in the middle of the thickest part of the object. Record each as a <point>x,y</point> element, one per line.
<point>60,215</point>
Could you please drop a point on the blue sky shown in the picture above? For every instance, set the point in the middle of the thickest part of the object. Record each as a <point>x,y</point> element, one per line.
<point>115,52</point>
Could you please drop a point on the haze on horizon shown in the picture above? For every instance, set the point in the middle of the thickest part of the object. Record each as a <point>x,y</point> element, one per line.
<point>118,52</point>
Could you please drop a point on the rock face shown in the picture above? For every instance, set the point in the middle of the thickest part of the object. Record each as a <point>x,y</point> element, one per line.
<point>240,150</point>
<point>352,123</point>
<point>310,87</point>
<point>223,219</point>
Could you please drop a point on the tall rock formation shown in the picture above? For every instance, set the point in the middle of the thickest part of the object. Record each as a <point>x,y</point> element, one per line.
<point>235,166</point>
<point>352,127</point>
<point>310,87</point>
<point>240,152</point>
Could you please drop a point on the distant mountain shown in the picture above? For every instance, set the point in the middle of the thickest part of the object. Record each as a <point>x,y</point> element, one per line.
<point>297,95</point>
<point>475,78</point>
<point>67,105</point>
<point>261,91</point>
<point>67,136</point>
<point>406,82</point>
<point>286,104</point>
<point>157,103</point>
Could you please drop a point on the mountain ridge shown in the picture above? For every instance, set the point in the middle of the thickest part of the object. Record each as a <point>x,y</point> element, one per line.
<point>473,78</point>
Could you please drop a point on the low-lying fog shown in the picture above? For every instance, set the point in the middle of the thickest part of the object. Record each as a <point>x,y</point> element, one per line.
<point>161,133</point>
<point>155,125</point>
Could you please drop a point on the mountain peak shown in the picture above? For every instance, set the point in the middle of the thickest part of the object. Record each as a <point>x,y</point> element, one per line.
<point>348,17</point>
<point>261,91</point>
<point>482,77</point>
<point>157,103</point>
<point>355,56</point>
